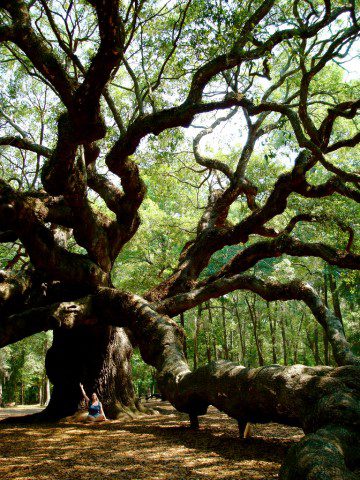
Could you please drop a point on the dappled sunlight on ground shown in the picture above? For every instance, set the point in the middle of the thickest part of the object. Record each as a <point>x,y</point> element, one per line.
<point>156,447</point>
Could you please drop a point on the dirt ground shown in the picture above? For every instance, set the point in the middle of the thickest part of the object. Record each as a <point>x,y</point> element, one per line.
<point>152,447</point>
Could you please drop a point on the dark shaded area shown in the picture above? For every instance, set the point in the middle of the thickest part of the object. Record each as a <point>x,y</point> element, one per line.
<point>151,446</point>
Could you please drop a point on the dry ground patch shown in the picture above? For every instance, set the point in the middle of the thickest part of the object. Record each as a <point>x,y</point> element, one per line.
<point>156,447</point>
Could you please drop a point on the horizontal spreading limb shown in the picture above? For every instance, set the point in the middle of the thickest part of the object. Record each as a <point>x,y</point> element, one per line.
<point>270,291</point>
<point>324,401</point>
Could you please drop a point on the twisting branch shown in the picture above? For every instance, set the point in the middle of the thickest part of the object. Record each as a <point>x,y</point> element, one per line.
<point>286,392</point>
<point>106,306</point>
<point>71,169</point>
<point>125,226</point>
<point>344,109</point>
<point>18,216</point>
<point>210,163</point>
<point>331,186</point>
<point>350,142</point>
<point>305,217</point>
<point>212,239</point>
<point>270,291</point>
<point>107,57</point>
<point>180,22</point>
<point>35,48</point>
<point>285,244</point>
<point>348,177</point>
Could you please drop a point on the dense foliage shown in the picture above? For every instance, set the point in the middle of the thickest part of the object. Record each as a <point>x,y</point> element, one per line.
<point>194,160</point>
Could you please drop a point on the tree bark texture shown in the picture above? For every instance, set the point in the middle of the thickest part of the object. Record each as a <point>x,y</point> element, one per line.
<point>99,357</point>
<point>87,345</point>
<point>322,400</point>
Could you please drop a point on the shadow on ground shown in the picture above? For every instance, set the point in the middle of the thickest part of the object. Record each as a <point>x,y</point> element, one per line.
<point>155,447</point>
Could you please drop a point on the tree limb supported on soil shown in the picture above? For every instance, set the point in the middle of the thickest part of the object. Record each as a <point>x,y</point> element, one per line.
<point>69,292</point>
<point>312,398</point>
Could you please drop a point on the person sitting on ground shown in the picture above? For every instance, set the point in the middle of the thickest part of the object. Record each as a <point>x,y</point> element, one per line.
<point>95,409</point>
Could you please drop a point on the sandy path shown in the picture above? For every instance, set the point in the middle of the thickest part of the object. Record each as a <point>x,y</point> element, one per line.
<point>19,410</point>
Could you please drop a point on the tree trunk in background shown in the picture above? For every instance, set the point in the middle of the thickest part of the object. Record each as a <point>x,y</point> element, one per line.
<point>42,391</point>
<point>325,337</point>
<point>208,347</point>
<point>283,337</point>
<point>98,357</point>
<point>242,334</point>
<point>254,321</point>
<point>223,317</point>
<point>272,323</point>
<point>47,392</point>
<point>197,326</point>
<point>231,345</point>
<point>207,333</point>
<point>313,341</point>
<point>13,397</point>
<point>316,346</point>
<point>297,340</point>
<point>208,305</point>
<point>335,297</point>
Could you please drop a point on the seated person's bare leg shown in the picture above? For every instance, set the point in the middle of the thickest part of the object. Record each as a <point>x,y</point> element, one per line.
<point>90,419</point>
<point>100,418</point>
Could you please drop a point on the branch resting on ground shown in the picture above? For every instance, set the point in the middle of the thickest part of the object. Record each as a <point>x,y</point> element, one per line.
<point>324,401</point>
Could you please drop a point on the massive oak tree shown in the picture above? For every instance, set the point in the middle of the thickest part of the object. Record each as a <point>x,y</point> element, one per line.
<point>116,74</point>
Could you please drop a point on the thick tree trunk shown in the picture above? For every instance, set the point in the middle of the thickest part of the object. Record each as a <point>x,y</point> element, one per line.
<point>323,401</point>
<point>98,357</point>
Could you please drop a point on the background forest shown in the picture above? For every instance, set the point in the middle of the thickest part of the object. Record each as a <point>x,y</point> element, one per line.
<point>239,326</point>
<point>194,164</point>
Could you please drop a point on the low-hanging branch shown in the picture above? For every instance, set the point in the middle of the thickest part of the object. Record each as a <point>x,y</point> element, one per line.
<point>74,288</point>
<point>285,244</point>
<point>270,291</point>
<point>210,240</point>
<point>273,393</point>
